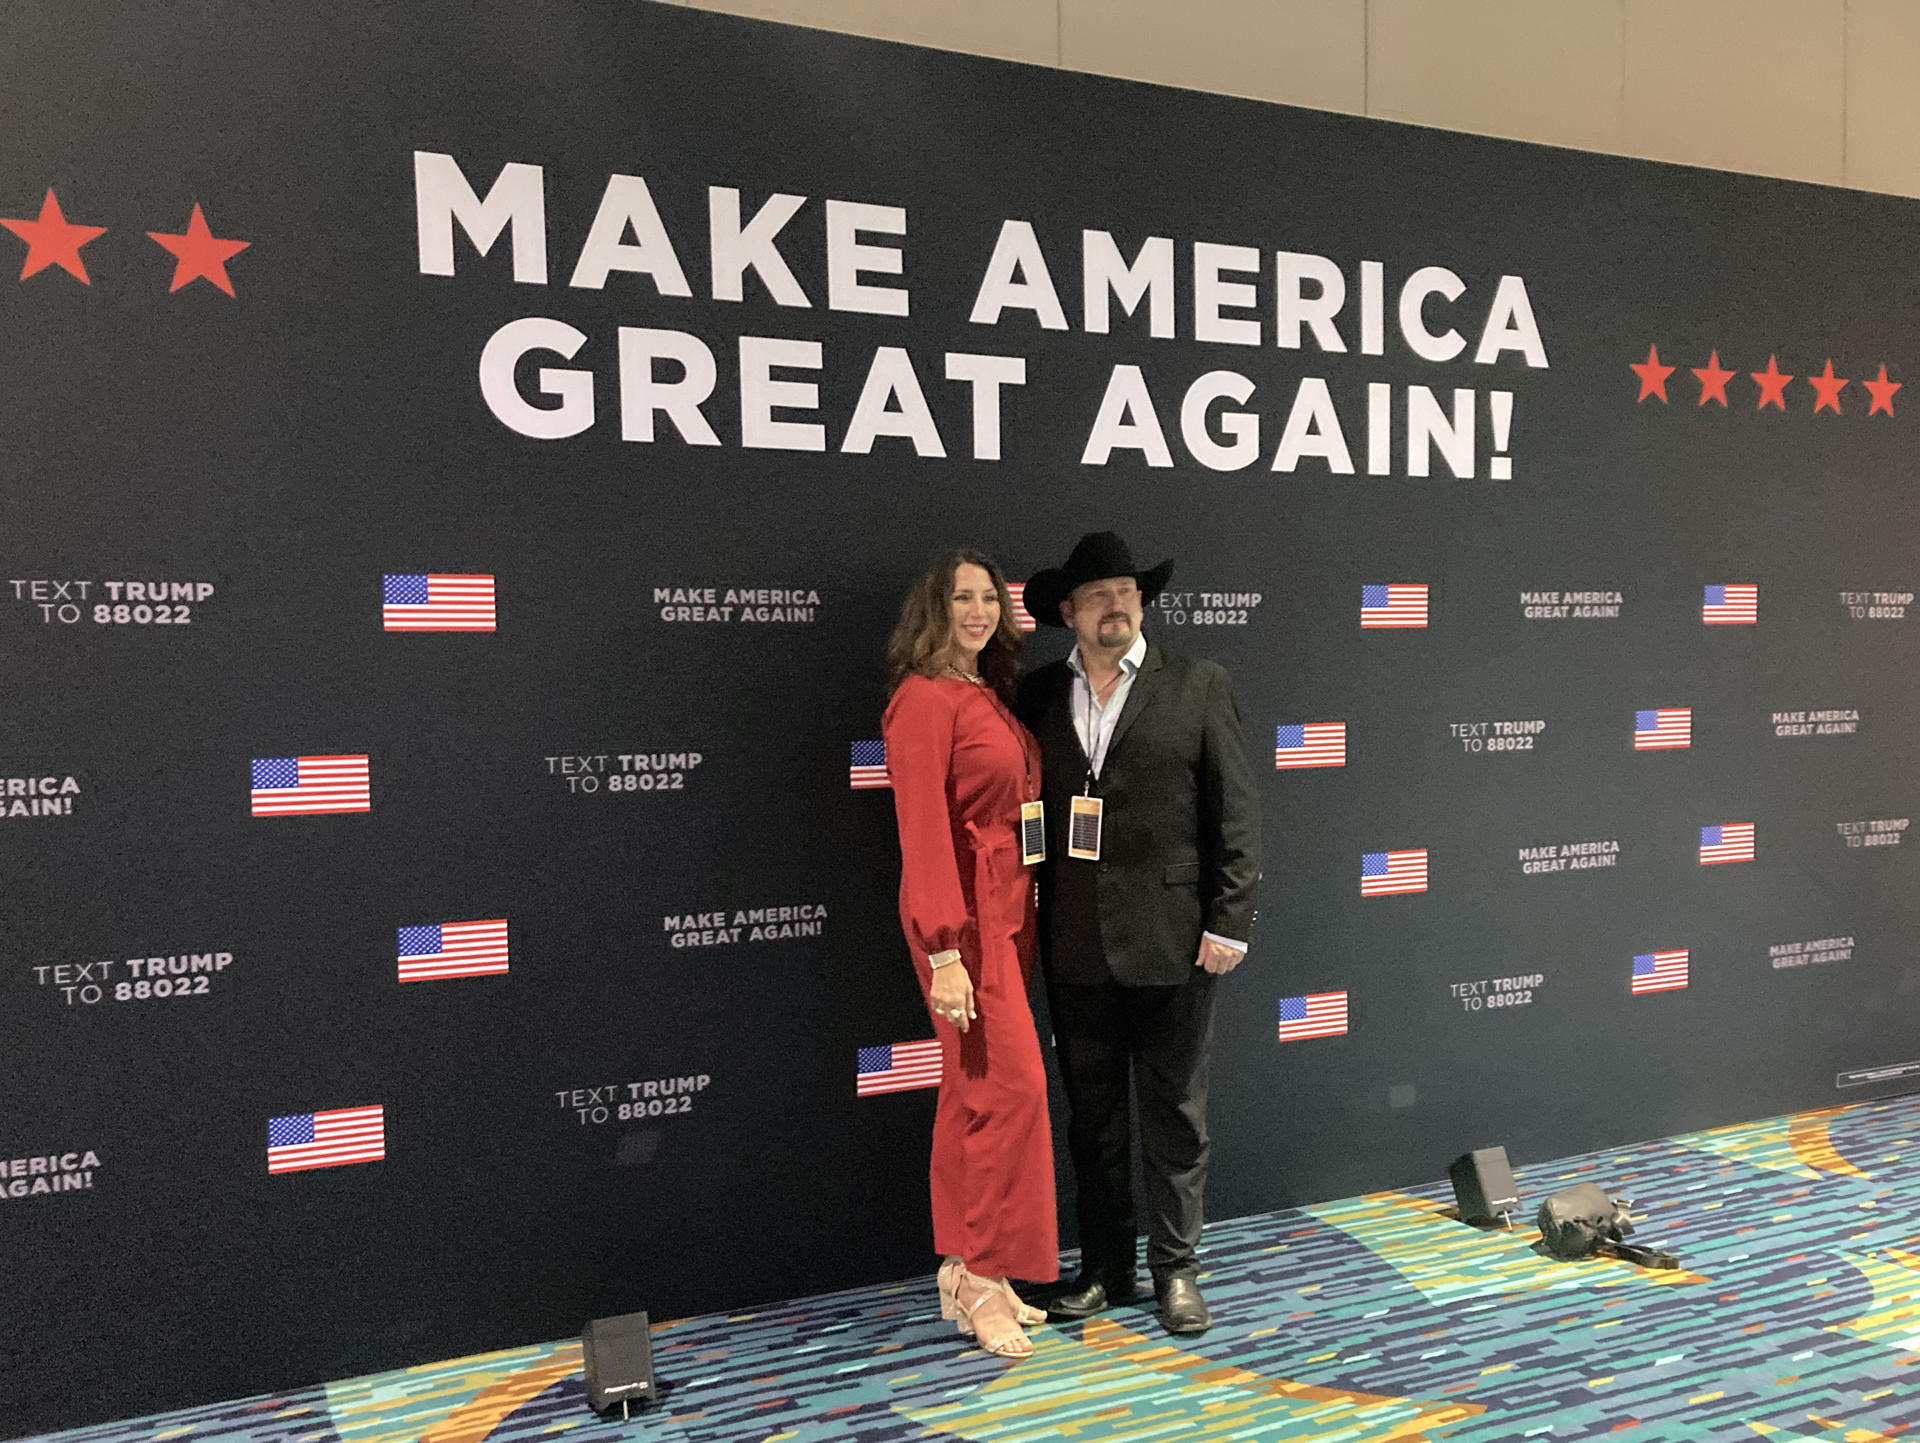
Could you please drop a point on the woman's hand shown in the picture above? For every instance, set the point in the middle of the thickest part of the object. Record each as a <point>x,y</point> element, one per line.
<point>952,995</point>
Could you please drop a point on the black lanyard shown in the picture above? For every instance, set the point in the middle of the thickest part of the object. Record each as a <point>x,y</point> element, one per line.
<point>1032,792</point>
<point>1093,725</point>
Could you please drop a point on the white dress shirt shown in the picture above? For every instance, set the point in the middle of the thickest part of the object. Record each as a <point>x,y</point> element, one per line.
<point>1094,721</point>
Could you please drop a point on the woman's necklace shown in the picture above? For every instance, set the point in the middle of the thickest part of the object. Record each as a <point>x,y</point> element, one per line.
<point>966,675</point>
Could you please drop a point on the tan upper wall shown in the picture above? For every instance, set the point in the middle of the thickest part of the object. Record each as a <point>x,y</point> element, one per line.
<point>1820,90</point>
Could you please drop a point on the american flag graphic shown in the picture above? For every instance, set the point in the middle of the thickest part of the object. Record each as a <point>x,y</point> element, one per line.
<point>326,1139</point>
<point>1384,873</point>
<point>1660,971</point>
<point>896,1067</point>
<point>1395,605</point>
<point>1318,1014</point>
<point>1731,606</point>
<point>1310,744</point>
<point>1662,728</point>
<point>1018,591</point>
<point>868,767</point>
<point>413,602</point>
<point>1728,842</point>
<point>452,949</point>
<point>286,786</point>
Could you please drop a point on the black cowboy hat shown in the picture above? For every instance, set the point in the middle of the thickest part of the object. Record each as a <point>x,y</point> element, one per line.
<point>1098,555</point>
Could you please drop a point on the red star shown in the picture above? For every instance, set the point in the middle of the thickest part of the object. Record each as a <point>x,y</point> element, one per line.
<point>1827,388</point>
<point>201,256</point>
<point>1882,392</point>
<point>1773,385</point>
<point>1713,381</point>
<point>53,241</point>
<point>1653,375</point>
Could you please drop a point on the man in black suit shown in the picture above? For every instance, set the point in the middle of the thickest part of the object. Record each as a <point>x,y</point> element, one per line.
<point>1133,943</point>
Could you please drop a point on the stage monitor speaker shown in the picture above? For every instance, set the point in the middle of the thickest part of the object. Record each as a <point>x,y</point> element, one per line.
<point>1483,1185</point>
<point>619,1358</point>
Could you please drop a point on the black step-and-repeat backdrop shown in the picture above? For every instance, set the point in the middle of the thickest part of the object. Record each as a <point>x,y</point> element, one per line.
<point>459,465</point>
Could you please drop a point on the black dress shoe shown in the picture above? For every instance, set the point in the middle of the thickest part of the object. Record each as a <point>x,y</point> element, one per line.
<point>1090,1296</point>
<point>1182,1309</point>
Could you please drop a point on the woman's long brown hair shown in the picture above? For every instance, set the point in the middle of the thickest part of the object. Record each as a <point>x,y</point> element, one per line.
<point>926,624</point>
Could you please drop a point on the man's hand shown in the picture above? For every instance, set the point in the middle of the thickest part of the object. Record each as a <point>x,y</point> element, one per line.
<point>1217,957</point>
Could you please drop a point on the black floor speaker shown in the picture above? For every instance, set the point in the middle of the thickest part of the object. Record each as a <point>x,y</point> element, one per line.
<point>619,1358</point>
<point>1483,1185</point>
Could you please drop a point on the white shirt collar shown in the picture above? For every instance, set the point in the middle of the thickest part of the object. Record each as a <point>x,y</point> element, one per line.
<point>1131,663</point>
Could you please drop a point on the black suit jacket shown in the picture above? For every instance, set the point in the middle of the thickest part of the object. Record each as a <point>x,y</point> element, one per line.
<point>1180,851</point>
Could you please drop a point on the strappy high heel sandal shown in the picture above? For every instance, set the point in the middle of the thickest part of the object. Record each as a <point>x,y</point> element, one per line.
<point>1016,1346</point>
<point>1025,1316</point>
<point>948,1281</point>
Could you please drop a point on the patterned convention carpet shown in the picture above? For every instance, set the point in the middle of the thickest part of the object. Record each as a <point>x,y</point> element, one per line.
<point>1372,1318</point>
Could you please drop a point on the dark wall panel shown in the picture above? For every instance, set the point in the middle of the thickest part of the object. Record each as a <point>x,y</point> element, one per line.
<point>280,449</point>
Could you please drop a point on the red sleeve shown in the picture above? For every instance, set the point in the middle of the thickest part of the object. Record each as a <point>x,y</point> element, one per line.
<point>918,730</point>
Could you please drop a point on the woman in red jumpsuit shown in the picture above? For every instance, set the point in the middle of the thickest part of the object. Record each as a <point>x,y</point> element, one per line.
<point>961,766</point>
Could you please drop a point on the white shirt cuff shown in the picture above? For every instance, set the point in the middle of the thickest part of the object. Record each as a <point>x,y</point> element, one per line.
<point>1225,941</point>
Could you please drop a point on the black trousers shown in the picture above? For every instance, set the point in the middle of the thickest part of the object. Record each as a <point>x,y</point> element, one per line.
<point>1163,1036</point>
